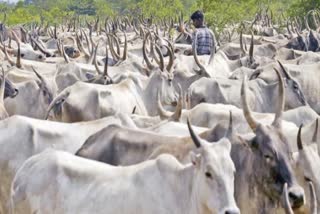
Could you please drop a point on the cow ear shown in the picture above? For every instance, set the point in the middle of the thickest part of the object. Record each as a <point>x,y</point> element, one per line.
<point>195,159</point>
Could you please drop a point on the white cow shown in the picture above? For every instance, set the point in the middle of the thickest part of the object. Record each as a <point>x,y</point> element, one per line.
<point>22,137</point>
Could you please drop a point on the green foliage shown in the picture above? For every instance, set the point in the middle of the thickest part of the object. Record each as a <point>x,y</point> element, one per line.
<point>161,8</point>
<point>218,13</point>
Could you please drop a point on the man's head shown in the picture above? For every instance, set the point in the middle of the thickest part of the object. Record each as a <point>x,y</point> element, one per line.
<point>197,18</point>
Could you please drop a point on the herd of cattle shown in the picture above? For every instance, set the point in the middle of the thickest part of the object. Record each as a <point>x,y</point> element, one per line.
<point>113,118</point>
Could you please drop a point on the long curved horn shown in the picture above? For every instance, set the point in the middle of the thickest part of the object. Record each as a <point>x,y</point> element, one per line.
<point>54,101</point>
<point>38,75</point>
<point>105,70</point>
<point>144,52</point>
<point>246,109</point>
<point>287,206</point>
<point>95,60</point>
<point>170,64</point>
<point>251,49</point>
<point>313,199</point>
<point>307,23</point>
<point>161,63</point>
<point>115,54</point>
<point>241,44</point>
<point>229,132</point>
<point>2,86</point>
<point>195,138</point>
<point>315,134</point>
<point>10,60</point>
<point>299,140</point>
<point>162,112</point>
<point>285,72</point>
<point>125,50</point>
<point>65,56</point>
<point>281,100</point>
<point>46,52</point>
<point>18,62</point>
<point>177,113</point>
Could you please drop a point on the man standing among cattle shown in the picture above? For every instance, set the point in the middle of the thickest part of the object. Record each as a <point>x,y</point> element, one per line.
<point>202,38</point>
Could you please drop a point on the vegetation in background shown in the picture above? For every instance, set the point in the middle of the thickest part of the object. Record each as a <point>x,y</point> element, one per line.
<point>218,12</point>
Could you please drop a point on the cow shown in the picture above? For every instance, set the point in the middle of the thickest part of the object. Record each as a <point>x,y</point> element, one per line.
<point>105,100</point>
<point>263,163</point>
<point>225,92</point>
<point>308,161</point>
<point>23,137</point>
<point>34,97</point>
<point>203,186</point>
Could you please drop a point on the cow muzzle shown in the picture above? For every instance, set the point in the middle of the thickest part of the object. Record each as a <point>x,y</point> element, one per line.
<point>296,197</point>
<point>231,211</point>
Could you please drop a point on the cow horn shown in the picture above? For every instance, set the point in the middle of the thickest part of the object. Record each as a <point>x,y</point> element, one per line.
<point>313,199</point>
<point>105,71</point>
<point>280,107</point>
<point>2,86</point>
<point>285,72</point>
<point>95,60</point>
<point>125,50</point>
<point>162,112</point>
<point>41,48</point>
<point>306,23</point>
<point>161,63</point>
<point>178,111</point>
<point>315,134</point>
<point>80,46</point>
<point>18,62</point>
<point>12,63</point>
<point>195,138</point>
<point>299,140</point>
<point>134,110</point>
<point>241,43</point>
<point>65,56</point>
<point>251,48</point>
<point>144,52</point>
<point>287,206</point>
<point>38,75</point>
<point>230,126</point>
<point>62,96</point>
<point>246,109</point>
<point>170,64</point>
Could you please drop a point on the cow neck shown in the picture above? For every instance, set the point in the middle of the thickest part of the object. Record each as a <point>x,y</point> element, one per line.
<point>149,93</point>
<point>264,93</point>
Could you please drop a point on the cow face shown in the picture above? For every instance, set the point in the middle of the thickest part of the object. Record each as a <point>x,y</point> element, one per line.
<point>169,96</point>
<point>298,43</point>
<point>214,175</point>
<point>29,54</point>
<point>308,161</point>
<point>272,166</point>
<point>294,94</point>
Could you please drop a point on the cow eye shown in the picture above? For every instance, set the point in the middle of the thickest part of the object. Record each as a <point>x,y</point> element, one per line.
<point>268,158</point>
<point>22,55</point>
<point>295,86</point>
<point>208,175</point>
<point>307,179</point>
